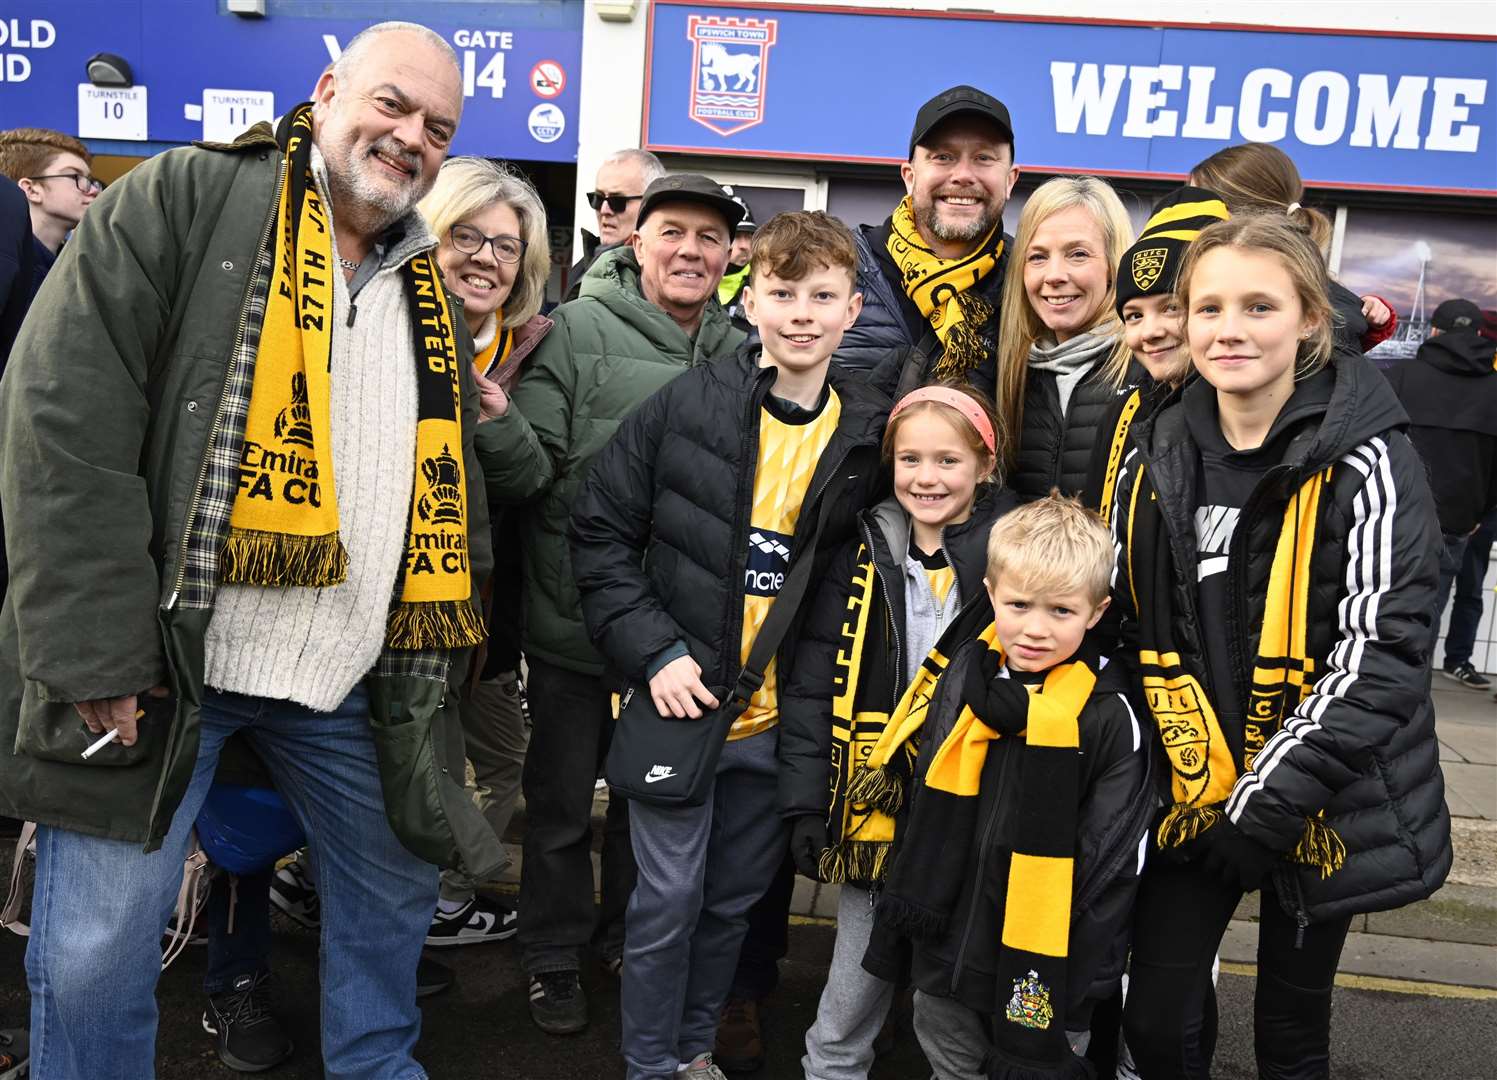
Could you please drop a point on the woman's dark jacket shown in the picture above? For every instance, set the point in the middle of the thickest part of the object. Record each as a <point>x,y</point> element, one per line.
<point>659,531</point>
<point>1055,450</point>
<point>1114,812</point>
<point>1361,747</point>
<point>882,544</point>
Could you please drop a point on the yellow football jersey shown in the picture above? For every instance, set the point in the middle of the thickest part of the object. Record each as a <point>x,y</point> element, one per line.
<point>788,454</point>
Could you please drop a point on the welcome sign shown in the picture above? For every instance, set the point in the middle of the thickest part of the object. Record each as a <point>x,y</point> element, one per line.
<point>1376,111</point>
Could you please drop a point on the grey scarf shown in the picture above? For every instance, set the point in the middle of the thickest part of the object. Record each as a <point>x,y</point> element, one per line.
<point>1071,362</point>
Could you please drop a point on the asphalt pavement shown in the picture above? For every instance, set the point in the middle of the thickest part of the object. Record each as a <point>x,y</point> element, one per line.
<point>480,1030</point>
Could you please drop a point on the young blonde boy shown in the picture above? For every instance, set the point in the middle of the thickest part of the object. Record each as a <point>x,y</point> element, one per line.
<point>1016,872</point>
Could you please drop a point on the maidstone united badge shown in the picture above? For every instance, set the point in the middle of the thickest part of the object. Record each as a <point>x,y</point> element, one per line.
<point>1147,266</point>
<point>1030,1005</point>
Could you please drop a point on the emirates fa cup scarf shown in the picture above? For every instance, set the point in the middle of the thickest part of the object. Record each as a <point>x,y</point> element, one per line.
<point>283,530</point>
<point>940,846</point>
<point>1201,761</point>
<point>942,289</point>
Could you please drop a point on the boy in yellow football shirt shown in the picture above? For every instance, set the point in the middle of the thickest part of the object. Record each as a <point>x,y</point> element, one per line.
<point>682,538</point>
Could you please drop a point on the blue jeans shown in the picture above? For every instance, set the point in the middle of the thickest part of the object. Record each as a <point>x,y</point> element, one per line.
<point>1465,611</point>
<point>100,907</point>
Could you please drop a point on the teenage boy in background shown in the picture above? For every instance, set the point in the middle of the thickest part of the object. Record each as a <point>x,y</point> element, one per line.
<point>681,539</point>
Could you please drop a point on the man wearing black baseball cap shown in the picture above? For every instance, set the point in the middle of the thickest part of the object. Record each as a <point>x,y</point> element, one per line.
<point>1450,392</point>
<point>647,311</point>
<point>931,275</point>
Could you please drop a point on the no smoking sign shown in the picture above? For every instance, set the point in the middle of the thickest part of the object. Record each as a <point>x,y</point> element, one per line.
<point>548,79</point>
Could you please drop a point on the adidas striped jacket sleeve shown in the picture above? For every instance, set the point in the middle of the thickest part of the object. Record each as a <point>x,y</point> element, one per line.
<point>1376,677</point>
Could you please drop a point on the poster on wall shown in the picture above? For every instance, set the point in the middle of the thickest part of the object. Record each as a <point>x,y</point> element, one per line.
<point>203,73</point>
<point>1127,99</point>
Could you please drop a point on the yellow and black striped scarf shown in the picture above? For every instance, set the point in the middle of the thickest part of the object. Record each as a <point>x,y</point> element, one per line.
<point>938,847</point>
<point>942,289</point>
<point>495,354</point>
<point>283,529</point>
<point>1201,760</point>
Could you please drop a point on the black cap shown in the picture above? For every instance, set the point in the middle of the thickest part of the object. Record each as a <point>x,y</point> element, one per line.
<point>955,102</point>
<point>694,188</point>
<point>1456,315</point>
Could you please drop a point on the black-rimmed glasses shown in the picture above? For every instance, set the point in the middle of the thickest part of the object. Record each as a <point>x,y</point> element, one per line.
<point>616,203</point>
<point>468,240</point>
<point>83,183</point>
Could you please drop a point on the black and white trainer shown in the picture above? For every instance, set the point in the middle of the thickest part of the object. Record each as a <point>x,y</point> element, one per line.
<point>481,919</point>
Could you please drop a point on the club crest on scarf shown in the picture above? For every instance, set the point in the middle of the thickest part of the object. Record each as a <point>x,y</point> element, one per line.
<point>1030,1004</point>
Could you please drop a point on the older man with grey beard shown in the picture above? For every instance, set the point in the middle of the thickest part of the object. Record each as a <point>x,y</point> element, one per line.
<point>261,516</point>
<point>931,274</point>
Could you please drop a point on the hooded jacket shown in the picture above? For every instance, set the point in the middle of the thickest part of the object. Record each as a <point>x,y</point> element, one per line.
<point>881,544</point>
<point>1450,392</point>
<point>660,528</point>
<point>890,322</point>
<point>1361,746</point>
<point>149,299</point>
<point>609,350</point>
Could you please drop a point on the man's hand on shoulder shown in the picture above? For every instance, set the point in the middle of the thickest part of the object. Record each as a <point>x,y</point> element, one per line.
<point>106,714</point>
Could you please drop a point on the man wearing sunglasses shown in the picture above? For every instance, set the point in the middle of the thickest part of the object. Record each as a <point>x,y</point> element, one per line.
<point>55,173</point>
<point>615,198</point>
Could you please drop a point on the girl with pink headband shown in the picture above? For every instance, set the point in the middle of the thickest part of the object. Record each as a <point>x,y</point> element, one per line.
<point>911,577</point>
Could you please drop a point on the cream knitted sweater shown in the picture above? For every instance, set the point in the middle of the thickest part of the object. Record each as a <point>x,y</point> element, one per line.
<point>312,646</point>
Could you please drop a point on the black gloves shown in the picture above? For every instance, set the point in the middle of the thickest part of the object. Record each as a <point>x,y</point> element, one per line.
<point>1227,852</point>
<point>1002,704</point>
<point>807,842</point>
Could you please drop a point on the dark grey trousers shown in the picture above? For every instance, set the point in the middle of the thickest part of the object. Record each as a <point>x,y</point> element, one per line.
<point>700,870</point>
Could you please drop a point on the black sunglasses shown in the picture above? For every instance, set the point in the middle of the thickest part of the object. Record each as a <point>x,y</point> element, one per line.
<point>616,203</point>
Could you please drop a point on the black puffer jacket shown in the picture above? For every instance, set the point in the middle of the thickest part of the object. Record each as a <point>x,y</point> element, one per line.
<point>659,530</point>
<point>890,321</point>
<point>1056,450</point>
<point>806,702</point>
<point>1111,820</point>
<point>1361,747</point>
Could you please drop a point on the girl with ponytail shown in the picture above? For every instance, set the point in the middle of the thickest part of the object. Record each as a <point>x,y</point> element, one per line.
<point>1261,178</point>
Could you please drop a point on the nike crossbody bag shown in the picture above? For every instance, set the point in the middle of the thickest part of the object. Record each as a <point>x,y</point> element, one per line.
<point>665,761</point>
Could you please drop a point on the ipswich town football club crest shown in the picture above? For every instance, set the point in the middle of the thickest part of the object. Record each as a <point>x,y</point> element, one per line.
<point>729,69</point>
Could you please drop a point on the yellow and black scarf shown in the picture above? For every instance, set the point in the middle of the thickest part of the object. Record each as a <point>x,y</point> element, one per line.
<point>495,354</point>
<point>873,753</point>
<point>942,289</point>
<point>283,529</point>
<point>1201,760</point>
<point>939,846</point>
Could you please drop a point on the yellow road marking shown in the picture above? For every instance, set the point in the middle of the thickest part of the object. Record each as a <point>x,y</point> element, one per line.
<point>1392,986</point>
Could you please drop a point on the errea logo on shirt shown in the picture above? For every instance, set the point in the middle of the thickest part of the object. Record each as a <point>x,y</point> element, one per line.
<point>768,559</point>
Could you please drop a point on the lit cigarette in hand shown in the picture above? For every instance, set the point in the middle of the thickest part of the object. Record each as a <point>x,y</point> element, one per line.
<point>107,738</point>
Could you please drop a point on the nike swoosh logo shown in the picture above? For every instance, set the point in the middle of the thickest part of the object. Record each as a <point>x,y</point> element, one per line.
<point>651,778</point>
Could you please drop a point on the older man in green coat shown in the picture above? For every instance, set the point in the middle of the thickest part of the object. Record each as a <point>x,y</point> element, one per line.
<point>136,453</point>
